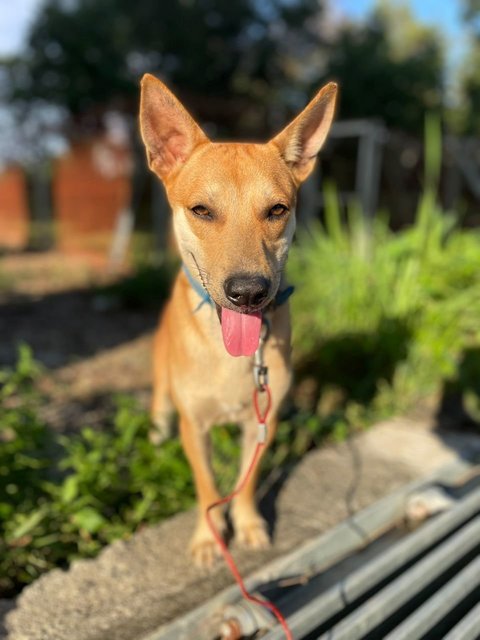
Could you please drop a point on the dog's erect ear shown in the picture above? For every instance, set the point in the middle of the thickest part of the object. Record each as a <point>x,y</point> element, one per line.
<point>169,132</point>
<point>303,138</point>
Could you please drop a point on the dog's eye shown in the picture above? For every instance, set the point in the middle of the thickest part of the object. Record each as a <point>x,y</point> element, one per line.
<point>201,211</point>
<point>277,211</point>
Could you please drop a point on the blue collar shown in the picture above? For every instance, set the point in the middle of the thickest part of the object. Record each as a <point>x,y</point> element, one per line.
<point>280,298</point>
<point>199,290</point>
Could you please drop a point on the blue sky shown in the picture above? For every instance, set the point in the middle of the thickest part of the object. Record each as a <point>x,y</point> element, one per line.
<point>446,15</point>
<point>16,16</point>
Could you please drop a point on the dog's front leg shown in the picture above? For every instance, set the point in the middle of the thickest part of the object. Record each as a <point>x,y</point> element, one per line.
<point>196,444</point>
<point>250,528</point>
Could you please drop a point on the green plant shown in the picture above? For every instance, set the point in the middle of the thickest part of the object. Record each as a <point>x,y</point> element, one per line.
<point>67,497</point>
<point>387,317</point>
<point>147,287</point>
<point>25,460</point>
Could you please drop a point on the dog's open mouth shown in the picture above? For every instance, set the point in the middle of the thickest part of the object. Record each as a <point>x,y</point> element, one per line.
<point>240,331</point>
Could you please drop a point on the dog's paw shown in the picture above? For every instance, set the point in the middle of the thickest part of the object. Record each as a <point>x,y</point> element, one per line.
<point>253,534</point>
<point>157,437</point>
<point>163,428</point>
<point>205,552</point>
<point>204,549</point>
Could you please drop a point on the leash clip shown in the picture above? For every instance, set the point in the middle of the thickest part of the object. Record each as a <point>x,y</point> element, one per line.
<point>260,370</point>
<point>260,375</point>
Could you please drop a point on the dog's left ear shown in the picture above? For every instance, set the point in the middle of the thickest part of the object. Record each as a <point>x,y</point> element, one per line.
<point>303,138</point>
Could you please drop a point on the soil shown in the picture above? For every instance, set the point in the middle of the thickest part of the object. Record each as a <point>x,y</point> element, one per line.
<point>90,348</point>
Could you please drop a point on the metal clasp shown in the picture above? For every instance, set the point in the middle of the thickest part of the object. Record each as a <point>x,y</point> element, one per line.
<point>260,375</point>
<point>260,370</point>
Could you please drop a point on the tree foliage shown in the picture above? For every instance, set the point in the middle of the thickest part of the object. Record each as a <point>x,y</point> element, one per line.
<point>88,56</point>
<point>391,67</point>
<point>471,14</point>
<point>242,66</point>
<point>466,118</point>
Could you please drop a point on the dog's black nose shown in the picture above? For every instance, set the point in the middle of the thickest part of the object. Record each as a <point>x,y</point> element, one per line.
<point>247,291</point>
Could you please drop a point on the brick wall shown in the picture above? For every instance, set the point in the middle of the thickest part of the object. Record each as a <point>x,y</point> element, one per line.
<point>14,216</point>
<point>91,185</point>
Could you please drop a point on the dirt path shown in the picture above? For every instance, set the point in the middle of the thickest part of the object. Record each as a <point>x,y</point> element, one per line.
<point>49,301</point>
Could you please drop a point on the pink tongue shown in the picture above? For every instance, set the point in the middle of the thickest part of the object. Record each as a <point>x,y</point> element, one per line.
<point>241,332</point>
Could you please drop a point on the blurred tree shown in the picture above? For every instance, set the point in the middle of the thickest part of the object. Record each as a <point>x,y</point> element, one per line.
<point>231,61</point>
<point>224,56</point>
<point>464,116</point>
<point>240,64</point>
<point>471,14</point>
<point>391,67</point>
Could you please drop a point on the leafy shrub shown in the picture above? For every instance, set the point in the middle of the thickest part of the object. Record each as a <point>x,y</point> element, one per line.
<point>66,498</point>
<point>388,317</point>
<point>25,460</point>
<point>147,287</point>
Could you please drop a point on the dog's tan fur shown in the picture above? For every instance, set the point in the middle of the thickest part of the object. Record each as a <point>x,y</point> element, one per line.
<point>240,184</point>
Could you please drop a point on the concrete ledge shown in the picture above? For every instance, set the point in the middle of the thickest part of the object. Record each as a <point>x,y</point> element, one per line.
<point>133,587</point>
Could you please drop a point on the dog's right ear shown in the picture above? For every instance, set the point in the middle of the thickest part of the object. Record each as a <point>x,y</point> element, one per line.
<point>169,132</point>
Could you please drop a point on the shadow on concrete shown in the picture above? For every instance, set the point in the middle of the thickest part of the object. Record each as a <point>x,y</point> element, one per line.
<point>271,486</point>
<point>458,415</point>
<point>5,607</point>
<point>459,405</point>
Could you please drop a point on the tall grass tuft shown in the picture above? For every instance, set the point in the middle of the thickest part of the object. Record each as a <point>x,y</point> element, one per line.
<point>388,317</point>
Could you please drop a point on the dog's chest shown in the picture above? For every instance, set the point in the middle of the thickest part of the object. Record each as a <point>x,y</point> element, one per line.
<point>228,395</point>
<point>212,386</point>
<point>231,396</point>
<point>228,411</point>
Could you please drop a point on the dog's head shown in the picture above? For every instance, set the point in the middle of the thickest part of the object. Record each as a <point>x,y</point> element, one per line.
<point>233,203</point>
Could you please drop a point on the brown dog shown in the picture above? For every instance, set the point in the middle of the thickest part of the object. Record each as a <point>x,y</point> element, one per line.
<point>234,218</point>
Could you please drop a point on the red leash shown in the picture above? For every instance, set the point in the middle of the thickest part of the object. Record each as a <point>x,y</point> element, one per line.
<point>262,435</point>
